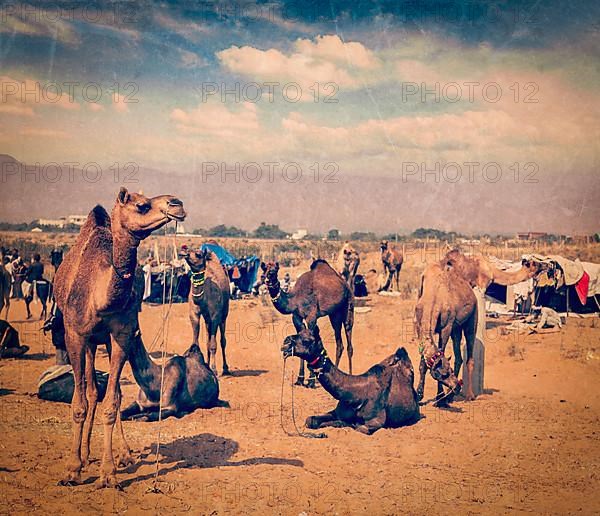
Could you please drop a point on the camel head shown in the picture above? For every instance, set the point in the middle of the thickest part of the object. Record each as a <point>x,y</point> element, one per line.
<point>533,268</point>
<point>197,259</point>
<point>270,270</point>
<point>303,345</point>
<point>141,215</point>
<point>383,246</point>
<point>441,370</point>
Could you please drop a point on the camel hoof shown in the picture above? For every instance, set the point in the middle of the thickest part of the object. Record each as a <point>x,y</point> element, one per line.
<point>226,372</point>
<point>125,459</point>
<point>363,429</point>
<point>469,396</point>
<point>419,395</point>
<point>311,384</point>
<point>300,381</point>
<point>108,481</point>
<point>72,479</point>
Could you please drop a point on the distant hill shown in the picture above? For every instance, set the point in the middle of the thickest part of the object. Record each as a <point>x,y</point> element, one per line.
<point>566,204</point>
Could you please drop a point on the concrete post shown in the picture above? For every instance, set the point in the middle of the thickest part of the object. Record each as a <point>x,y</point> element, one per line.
<point>478,347</point>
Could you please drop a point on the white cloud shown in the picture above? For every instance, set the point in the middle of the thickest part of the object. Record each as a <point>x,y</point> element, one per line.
<point>188,30</point>
<point>190,60</point>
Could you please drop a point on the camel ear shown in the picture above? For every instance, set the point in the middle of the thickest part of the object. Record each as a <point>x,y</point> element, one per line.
<point>123,196</point>
<point>263,266</point>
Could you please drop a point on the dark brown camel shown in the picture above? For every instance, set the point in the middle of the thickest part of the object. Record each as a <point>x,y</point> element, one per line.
<point>392,260</point>
<point>209,298</point>
<point>188,384</point>
<point>5,286</point>
<point>93,288</point>
<point>447,307</point>
<point>383,396</point>
<point>318,292</point>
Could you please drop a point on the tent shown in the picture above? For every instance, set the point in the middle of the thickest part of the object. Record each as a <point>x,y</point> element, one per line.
<point>242,271</point>
<point>564,285</point>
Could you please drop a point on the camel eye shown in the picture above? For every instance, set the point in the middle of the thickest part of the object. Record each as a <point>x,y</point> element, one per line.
<point>143,207</point>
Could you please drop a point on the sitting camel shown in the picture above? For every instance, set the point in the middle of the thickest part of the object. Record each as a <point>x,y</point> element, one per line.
<point>209,298</point>
<point>188,384</point>
<point>383,396</point>
<point>447,306</point>
<point>392,260</point>
<point>319,292</point>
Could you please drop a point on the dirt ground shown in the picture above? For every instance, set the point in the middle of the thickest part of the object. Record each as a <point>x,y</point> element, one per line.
<point>529,444</point>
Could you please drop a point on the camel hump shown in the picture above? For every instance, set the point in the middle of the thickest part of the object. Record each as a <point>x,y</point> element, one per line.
<point>98,217</point>
<point>402,354</point>
<point>317,263</point>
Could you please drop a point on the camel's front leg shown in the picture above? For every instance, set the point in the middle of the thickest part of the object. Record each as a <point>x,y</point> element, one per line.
<point>299,325</point>
<point>422,372</point>
<point>223,346</point>
<point>111,406</point>
<point>91,393</point>
<point>124,457</point>
<point>328,419</point>
<point>373,424</point>
<point>194,314</point>
<point>76,345</point>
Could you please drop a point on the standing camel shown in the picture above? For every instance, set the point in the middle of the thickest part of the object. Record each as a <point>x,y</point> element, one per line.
<point>447,307</point>
<point>392,260</point>
<point>318,292</point>
<point>209,298</point>
<point>350,260</point>
<point>93,288</point>
<point>479,272</point>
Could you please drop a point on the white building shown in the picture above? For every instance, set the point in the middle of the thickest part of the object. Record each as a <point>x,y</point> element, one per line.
<point>299,234</point>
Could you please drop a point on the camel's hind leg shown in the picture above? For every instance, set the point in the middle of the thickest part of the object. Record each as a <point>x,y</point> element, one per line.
<point>76,346</point>
<point>422,373</point>
<point>348,325</point>
<point>470,331</point>
<point>398,269</point>
<point>456,338</point>
<point>91,394</point>
<point>337,321</point>
<point>211,330</point>
<point>223,346</point>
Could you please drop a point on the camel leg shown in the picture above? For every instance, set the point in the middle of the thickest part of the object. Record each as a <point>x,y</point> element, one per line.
<point>328,419</point>
<point>27,303</point>
<point>398,279</point>
<point>223,345</point>
<point>195,321</point>
<point>298,326</point>
<point>91,394</point>
<point>76,345</point>
<point>443,342</point>
<point>211,329</point>
<point>470,331</point>
<point>458,360</point>
<point>422,373</point>
<point>336,322</point>
<point>388,282</point>
<point>111,406</point>
<point>124,457</point>
<point>373,424</point>
<point>348,325</point>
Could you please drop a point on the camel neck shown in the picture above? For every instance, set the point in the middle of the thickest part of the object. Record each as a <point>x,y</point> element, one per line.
<point>281,300</point>
<point>145,371</point>
<point>124,254</point>
<point>334,381</point>
<point>510,278</point>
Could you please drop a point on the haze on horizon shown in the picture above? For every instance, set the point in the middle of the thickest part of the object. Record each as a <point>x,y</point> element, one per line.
<point>458,115</point>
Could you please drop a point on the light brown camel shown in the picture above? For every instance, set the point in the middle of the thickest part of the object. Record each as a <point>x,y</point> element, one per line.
<point>5,285</point>
<point>383,396</point>
<point>93,288</point>
<point>319,292</point>
<point>392,260</point>
<point>480,272</point>
<point>349,260</point>
<point>209,298</point>
<point>447,307</point>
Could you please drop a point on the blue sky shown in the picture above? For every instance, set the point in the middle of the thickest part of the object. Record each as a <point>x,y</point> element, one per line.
<point>375,61</point>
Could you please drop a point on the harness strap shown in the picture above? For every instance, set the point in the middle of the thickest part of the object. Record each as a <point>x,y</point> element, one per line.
<point>198,279</point>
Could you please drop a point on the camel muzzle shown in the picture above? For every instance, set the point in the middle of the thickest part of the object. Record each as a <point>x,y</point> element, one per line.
<point>288,346</point>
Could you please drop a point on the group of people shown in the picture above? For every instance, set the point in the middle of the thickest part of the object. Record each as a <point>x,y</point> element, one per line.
<point>24,273</point>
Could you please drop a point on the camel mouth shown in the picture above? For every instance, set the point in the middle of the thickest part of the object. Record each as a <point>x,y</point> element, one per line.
<point>179,217</point>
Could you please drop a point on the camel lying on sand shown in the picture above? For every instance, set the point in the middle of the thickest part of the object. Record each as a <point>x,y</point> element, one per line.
<point>317,293</point>
<point>447,307</point>
<point>188,384</point>
<point>383,396</point>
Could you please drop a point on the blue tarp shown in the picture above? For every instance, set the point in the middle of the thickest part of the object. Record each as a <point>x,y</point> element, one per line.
<point>248,266</point>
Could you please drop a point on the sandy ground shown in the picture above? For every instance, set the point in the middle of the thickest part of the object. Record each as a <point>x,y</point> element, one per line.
<point>529,444</point>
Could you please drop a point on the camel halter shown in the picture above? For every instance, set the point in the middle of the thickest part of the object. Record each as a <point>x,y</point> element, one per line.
<point>299,433</point>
